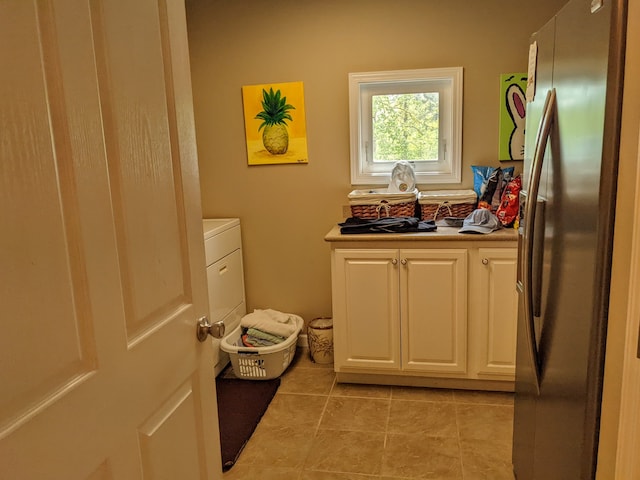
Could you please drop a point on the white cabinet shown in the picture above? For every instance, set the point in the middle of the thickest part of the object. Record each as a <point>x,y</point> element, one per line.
<point>225,278</point>
<point>400,309</point>
<point>366,303</point>
<point>433,310</point>
<point>425,312</point>
<point>495,318</point>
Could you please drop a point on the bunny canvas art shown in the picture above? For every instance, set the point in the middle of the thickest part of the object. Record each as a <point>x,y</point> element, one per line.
<point>512,116</point>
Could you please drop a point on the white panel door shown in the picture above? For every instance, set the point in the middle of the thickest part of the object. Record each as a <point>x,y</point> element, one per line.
<point>101,251</point>
<point>627,459</point>
<point>366,316</point>
<point>433,286</point>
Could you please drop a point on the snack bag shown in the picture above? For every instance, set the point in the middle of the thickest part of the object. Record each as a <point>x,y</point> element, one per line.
<point>508,210</point>
<point>493,179</point>
<point>491,191</point>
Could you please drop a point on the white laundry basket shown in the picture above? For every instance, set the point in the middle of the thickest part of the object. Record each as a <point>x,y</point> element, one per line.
<point>260,363</point>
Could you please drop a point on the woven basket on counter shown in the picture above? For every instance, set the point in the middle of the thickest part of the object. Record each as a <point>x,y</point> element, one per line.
<point>380,203</point>
<point>438,204</point>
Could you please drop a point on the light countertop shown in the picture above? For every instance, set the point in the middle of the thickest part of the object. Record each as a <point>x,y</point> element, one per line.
<point>442,233</point>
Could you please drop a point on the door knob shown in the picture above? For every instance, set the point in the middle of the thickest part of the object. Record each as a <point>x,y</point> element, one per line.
<point>204,328</point>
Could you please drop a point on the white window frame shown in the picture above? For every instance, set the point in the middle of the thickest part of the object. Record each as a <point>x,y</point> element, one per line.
<point>447,82</point>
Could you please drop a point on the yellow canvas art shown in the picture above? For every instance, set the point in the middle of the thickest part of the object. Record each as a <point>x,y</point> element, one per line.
<point>275,124</point>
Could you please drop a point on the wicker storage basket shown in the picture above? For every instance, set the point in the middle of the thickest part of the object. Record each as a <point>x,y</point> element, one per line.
<point>381,203</point>
<point>260,363</point>
<point>438,204</point>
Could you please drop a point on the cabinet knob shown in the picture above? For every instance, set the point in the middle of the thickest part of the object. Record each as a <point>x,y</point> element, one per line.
<point>485,261</point>
<point>403,261</point>
<point>394,261</point>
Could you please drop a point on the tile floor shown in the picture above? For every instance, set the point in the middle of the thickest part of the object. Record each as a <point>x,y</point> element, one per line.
<point>317,429</point>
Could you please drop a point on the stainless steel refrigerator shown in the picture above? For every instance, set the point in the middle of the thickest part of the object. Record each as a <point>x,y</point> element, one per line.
<point>565,238</point>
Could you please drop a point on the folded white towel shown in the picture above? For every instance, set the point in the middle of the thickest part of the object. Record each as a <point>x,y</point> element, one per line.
<point>270,321</point>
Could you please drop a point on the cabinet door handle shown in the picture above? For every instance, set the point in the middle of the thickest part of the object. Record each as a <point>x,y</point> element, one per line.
<point>394,261</point>
<point>403,261</point>
<point>485,261</point>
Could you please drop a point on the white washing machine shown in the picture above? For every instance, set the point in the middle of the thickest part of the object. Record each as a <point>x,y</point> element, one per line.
<point>225,278</point>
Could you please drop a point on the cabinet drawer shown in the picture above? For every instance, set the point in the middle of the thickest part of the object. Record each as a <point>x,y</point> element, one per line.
<point>222,244</point>
<point>226,285</point>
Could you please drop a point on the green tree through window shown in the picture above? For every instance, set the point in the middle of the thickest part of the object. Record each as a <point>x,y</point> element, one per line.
<point>405,127</point>
<point>412,115</point>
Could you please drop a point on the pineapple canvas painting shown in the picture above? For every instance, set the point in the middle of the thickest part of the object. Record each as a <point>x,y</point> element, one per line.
<point>275,124</point>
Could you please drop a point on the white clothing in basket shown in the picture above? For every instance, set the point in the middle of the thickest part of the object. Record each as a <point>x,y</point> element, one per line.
<point>271,321</point>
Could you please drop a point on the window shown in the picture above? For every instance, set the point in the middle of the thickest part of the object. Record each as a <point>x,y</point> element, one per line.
<point>413,115</point>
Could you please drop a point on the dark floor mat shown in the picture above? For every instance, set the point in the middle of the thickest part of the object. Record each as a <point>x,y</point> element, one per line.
<point>241,404</point>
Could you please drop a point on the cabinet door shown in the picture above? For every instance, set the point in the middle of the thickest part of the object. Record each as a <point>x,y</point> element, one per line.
<point>366,320</point>
<point>433,286</point>
<point>497,311</point>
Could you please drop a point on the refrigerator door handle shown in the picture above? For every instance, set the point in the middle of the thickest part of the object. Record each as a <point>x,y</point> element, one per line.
<point>528,250</point>
<point>537,257</point>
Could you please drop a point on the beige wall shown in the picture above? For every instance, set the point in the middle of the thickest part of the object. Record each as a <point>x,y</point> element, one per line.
<point>286,210</point>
